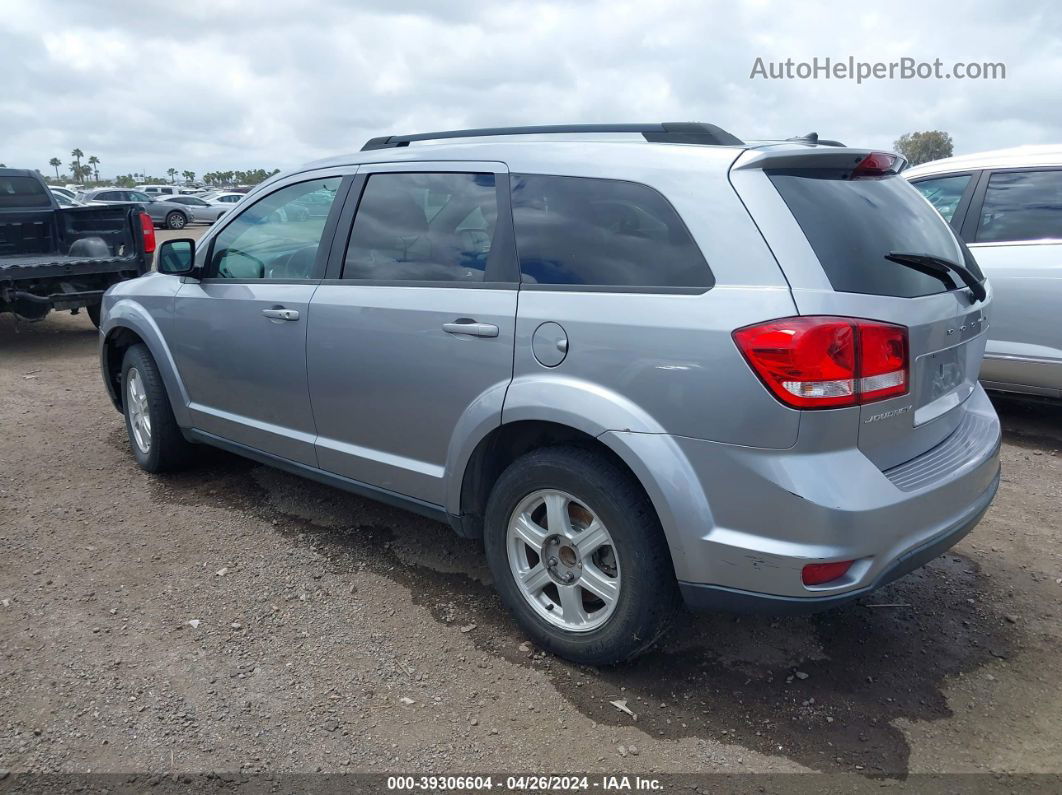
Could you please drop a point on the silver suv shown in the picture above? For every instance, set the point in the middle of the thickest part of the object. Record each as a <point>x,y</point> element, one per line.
<point>644,363</point>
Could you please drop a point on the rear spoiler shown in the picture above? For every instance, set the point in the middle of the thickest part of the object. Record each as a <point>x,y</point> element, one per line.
<point>872,162</point>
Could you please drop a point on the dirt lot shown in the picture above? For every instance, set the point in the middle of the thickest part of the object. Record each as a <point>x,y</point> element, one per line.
<point>233,617</point>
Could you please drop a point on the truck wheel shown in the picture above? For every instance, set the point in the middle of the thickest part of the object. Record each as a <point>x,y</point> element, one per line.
<point>94,313</point>
<point>578,556</point>
<point>176,220</point>
<point>156,439</point>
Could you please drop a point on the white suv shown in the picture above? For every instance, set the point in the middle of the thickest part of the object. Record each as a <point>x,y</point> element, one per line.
<point>1007,205</point>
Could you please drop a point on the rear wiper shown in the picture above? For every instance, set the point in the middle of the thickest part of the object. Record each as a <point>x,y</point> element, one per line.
<point>940,268</point>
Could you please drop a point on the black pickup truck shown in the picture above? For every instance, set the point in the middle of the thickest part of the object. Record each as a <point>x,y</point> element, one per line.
<point>54,257</point>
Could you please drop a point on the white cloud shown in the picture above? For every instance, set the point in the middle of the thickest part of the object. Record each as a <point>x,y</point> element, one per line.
<point>215,84</point>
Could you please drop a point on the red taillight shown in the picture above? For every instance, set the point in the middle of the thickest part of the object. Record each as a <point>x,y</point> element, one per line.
<point>819,573</point>
<point>876,164</point>
<point>148,226</point>
<point>827,362</point>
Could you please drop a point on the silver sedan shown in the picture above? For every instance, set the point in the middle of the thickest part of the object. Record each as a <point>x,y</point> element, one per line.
<point>203,211</point>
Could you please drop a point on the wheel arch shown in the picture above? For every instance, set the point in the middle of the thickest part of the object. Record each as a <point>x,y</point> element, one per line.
<point>502,445</point>
<point>128,324</point>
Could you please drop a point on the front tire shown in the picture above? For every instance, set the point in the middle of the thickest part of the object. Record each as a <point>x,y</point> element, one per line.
<point>157,441</point>
<point>176,220</point>
<point>578,556</point>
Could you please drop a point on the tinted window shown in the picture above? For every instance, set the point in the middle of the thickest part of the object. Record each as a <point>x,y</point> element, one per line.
<point>230,199</point>
<point>423,227</point>
<point>1022,205</point>
<point>944,193</point>
<point>137,196</point>
<point>110,196</point>
<point>580,231</point>
<point>23,192</point>
<point>853,224</point>
<point>273,238</point>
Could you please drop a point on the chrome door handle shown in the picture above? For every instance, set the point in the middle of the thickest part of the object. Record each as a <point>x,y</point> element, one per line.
<point>281,314</point>
<point>471,328</point>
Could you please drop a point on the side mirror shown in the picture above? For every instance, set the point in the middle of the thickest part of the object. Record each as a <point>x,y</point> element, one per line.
<point>176,257</point>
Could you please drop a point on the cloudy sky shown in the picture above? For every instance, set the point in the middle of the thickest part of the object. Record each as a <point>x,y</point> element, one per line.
<point>235,84</point>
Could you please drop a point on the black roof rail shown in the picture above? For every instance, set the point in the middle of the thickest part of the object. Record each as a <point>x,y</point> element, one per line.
<point>666,132</point>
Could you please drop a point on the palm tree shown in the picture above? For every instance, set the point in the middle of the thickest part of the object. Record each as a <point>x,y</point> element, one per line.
<point>55,162</point>
<point>172,172</point>
<point>95,163</point>
<point>189,176</point>
<point>77,154</point>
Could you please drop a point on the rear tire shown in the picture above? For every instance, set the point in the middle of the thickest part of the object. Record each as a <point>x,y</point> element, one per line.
<point>157,441</point>
<point>176,220</point>
<point>626,559</point>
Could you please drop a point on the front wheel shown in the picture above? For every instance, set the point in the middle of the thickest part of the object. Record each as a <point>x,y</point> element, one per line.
<point>157,442</point>
<point>176,220</point>
<point>578,555</point>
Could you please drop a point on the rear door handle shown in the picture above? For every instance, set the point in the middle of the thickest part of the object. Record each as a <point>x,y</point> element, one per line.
<point>279,313</point>
<point>471,328</point>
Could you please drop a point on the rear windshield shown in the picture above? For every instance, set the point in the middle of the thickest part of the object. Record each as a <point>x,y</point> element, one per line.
<point>853,224</point>
<point>23,192</point>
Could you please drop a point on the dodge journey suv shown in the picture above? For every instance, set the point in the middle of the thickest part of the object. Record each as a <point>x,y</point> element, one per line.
<point>645,364</point>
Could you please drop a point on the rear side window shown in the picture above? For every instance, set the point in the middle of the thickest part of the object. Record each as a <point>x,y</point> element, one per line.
<point>23,192</point>
<point>579,231</point>
<point>944,193</point>
<point>434,227</point>
<point>853,223</point>
<point>1022,205</point>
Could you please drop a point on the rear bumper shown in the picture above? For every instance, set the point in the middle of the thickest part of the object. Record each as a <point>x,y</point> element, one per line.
<point>716,597</point>
<point>741,522</point>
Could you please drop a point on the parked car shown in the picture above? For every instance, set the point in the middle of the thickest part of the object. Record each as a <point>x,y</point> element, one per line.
<point>228,198</point>
<point>65,201</point>
<point>204,211</point>
<point>53,257</point>
<point>62,191</point>
<point>742,376</point>
<point>162,212</point>
<point>1007,205</point>
<point>158,189</point>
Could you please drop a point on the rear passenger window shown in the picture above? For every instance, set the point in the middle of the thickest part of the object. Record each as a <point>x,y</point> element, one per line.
<point>1022,205</point>
<point>602,233</point>
<point>944,193</point>
<point>434,227</point>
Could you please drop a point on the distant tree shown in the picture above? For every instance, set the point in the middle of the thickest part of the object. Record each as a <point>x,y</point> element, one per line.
<point>172,172</point>
<point>126,181</point>
<point>189,176</point>
<point>95,163</point>
<point>76,171</point>
<point>921,147</point>
<point>55,162</point>
<point>77,154</point>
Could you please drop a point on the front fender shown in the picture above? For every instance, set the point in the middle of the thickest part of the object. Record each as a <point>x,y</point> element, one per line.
<point>125,313</point>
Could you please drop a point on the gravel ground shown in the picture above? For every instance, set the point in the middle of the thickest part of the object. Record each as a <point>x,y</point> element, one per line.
<point>235,618</point>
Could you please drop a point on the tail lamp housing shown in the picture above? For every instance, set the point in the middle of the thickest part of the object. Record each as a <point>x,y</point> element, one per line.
<point>821,362</point>
<point>147,226</point>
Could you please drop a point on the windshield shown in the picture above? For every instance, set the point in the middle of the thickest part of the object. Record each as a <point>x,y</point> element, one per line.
<point>852,224</point>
